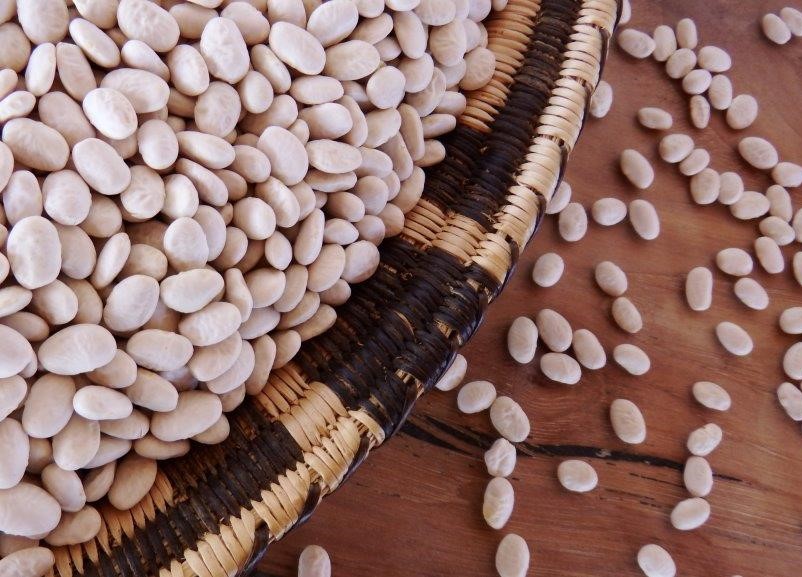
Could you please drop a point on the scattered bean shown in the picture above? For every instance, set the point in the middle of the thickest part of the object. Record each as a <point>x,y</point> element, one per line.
<point>655,561</point>
<point>548,269</point>
<point>476,396</point>
<point>734,338</point>
<point>632,359</point>
<point>522,340</point>
<point>577,476</point>
<point>627,420</point>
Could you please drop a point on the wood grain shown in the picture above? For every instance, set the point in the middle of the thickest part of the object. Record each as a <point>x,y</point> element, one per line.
<point>414,509</point>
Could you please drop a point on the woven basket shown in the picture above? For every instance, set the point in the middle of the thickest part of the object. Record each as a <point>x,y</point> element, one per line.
<point>214,512</point>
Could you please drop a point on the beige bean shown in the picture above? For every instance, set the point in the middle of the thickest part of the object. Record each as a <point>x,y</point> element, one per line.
<point>697,476</point>
<point>117,374</point>
<point>695,162</point>
<point>101,403</point>
<point>512,556</point>
<point>548,269</point>
<point>16,105</point>
<point>77,349</point>
<point>288,157</point>
<point>636,168</point>
<point>137,54</point>
<point>588,349</point>
<point>699,111</point>
<point>704,440</point>
<point>734,338</point>
<point>14,458</point>
<point>687,35</point>
<point>655,118</point>
<point>628,422</point>
<point>331,22</point>
<point>159,350</point>
<point>110,113</point>
<point>573,222</point>
<point>787,174</point>
<point>610,278</point>
<point>35,144</point>
<point>655,561</point>
<point>734,261</point>
<point>509,419</point>
<point>769,255</point>
<point>559,199</point>
<point>742,111</point>
<point>751,293</point>
<point>217,110</point>
<point>790,399</point>
<point>153,392</point>
<point>76,444</point>
<point>185,244</point>
<point>131,303</point>
<point>720,92</point>
<point>602,99</point>
<point>297,48</point>
<point>476,396</point>
<point>711,396</point>
<point>28,511</point>
<point>632,359</point>
<point>498,502</point>
<point>675,148</point>
<point>577,476</point>
<point>210,362</point>
<point>750,205</point>
<point>522,340</point>
<point>196,412</point>
<point>500,458</point>
<point>134,426</point>
<point>133,479</point>
<point>13,391</point>
<point>453,375</point>
<point>636,43</point>
<point>333,157</point>
<point>224,50</point>
<point>791,321</point>
<point>731,188</point>
<point>561,368</point>
<point>758,152</point>
<point>100,166</point>
<point>644,219</point>
<point>793,19</point>
<point>626,315</point>
<point>211,324</point>
<point>680,63</point>
<point>56,303</point>
<point>705,186</point>
<point>16,46</point>
<point>110,260</point>
<point>696,81</point>
<point>699,288</point>
<point>665,42</point>
<point>690,514</point>
<point>97,482</point>
<point>775,29</point>
<point>148,22</point>
<point>780,202</point>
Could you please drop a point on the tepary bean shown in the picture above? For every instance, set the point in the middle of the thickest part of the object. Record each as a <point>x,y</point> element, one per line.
<point>188,190</point>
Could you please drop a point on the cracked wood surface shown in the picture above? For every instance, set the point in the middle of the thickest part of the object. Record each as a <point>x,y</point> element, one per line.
<point>414,508</point>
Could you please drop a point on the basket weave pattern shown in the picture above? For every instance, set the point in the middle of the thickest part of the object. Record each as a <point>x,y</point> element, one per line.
<point>214,512</point>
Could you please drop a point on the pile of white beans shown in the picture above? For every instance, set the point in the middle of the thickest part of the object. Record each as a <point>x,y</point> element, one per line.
<point>188,189</point>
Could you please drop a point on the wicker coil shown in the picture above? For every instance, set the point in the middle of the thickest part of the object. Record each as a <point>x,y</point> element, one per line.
<point>214,512</point>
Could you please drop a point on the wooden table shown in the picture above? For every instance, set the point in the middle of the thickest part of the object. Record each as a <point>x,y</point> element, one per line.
<point>414,509</point>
